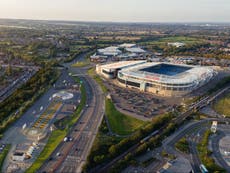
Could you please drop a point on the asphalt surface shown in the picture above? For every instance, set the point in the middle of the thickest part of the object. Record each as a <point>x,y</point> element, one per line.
<point>179,119</point>
<point>15,134</point>
<point>169,143</point>
<point>73,154</point>
<point>216,150</point>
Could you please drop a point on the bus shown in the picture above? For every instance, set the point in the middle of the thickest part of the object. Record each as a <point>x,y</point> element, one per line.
<point>203,169</point>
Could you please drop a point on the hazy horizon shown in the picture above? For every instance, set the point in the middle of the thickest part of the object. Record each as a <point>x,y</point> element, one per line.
<point>150,11</point>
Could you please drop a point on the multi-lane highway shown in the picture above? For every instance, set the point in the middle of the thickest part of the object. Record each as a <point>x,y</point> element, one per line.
<point>71,156</point>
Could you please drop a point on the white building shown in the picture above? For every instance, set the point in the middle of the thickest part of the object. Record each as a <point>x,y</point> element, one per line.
<point>109,51</point>
<point>18,156</point>
<point>214,126</point>
<point>177,44</point>
<point>135,50</point>
<point>127,45</point>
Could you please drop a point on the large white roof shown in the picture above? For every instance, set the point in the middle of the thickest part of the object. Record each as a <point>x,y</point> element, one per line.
<point>195,74</point>
<point>120,64</point>
<point>127,45</point>
<point>135,50</point>
<point>110,51</point>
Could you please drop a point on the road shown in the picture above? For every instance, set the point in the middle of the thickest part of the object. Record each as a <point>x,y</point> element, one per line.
<point>216,150</point>
<point>15,135</point>
<point>6,92</point>
<point>179,119</point>
<point>74,153</point>
<point>169,143</point>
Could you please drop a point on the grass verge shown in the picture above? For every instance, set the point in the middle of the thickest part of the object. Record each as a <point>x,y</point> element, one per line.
<point>205,154</point>
<point>182,145</point>
<point>223,106</point>
<point>3,155</point>
<point>55,138</point>
<point>99,151</point>
<point>121,124</point>
<point>93,74</point>
<point>80,64</point>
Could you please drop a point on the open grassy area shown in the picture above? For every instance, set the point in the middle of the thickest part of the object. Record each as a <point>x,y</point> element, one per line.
<point>205,154</point>
<point>3,155</point>
<point>183,39</point>
<point>223,106</point>
<point>97,78</point>
<point>186,40</point>
<point>55,138</point>
<point>121,124</point>
<point>81,64</point>
<point>99,151</point>
<point>182,145</point>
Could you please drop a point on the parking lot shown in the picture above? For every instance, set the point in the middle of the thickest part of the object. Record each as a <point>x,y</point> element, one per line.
<point>144,104</point>
<point>36,121</point>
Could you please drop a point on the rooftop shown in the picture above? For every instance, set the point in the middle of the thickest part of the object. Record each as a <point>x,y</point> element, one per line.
<point>127,45</point>
<point>135,50</point>
<point>179,165</point>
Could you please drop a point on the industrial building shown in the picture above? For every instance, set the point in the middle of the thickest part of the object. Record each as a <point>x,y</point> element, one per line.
<point>164,79</point>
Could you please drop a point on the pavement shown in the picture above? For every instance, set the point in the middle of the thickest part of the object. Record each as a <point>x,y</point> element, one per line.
<point>73,154</point>
<point>16,135</point>
<point>187,130</point>
<point>217,151</point>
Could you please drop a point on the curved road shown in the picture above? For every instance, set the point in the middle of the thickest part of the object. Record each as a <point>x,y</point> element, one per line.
<point>216,150</point>
<point>73,154</point>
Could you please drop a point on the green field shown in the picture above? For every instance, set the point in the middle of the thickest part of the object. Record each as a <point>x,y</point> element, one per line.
<point>186,40</point>
<point>121,124</point>
<point>182,145</point>
<point>81,64</point>
<point>206,155</point>
<point>56,137</point>
<point>223,106</point>
<point>3,155</point>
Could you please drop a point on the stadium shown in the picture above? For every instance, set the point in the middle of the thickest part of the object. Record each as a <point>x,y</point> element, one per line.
<point>164,79</point>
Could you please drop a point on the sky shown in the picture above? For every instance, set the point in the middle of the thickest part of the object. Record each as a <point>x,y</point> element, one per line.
<point>118,10</point>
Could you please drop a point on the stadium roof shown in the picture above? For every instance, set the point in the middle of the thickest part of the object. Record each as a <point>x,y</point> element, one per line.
<point>135,50</point>
<point>120,64</point>
<point>110,51</point>
<point>195,74</point>
<point>127,45</point>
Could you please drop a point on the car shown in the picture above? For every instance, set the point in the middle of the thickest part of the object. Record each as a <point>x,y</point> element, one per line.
<point>58,154</point>
<point>67,139</point>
